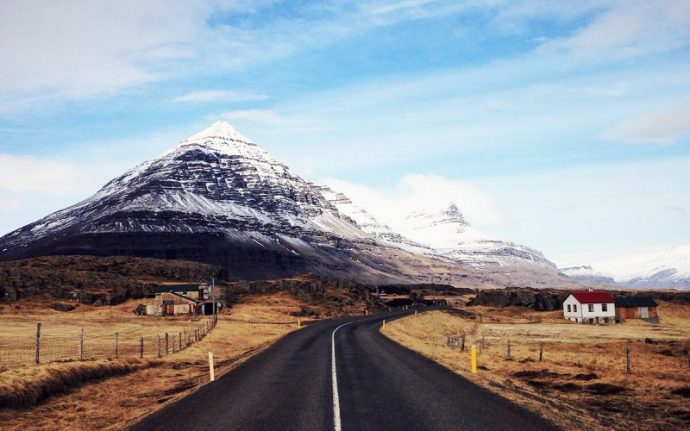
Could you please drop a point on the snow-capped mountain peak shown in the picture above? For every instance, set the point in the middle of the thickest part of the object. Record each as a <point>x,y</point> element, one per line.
<point>443,228</point>
<point>220,129</point>
<point>219,198</point>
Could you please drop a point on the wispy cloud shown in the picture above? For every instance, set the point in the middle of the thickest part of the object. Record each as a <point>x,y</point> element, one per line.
<point>661,128</point>
<point>20,174</point>
<point>220,96</point>
<point>630,29</point>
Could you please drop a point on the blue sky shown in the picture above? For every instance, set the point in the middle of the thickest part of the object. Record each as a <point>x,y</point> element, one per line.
<point>561,125</point>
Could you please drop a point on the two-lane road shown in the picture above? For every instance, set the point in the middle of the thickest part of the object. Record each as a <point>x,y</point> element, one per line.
<point>371,383</point>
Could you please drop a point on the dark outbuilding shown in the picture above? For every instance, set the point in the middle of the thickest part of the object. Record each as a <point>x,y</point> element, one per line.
<point>637,307</point>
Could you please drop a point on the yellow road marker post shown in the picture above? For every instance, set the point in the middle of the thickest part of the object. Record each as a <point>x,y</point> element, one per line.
<point>473,359</point>
<point>211,372</point>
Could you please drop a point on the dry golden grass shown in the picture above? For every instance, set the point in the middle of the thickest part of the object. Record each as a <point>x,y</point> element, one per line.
<point>60,333</point>
<point>116,402</point>
<point>570,350</point>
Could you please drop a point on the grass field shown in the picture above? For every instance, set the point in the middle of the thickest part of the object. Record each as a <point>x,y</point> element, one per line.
<point>582,380</point>
<point>135,387</point>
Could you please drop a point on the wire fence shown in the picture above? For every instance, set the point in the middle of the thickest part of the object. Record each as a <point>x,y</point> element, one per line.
<point>614,357</point>
<point>44,347</point>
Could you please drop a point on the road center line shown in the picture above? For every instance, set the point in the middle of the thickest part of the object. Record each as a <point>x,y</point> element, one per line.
<point>337,425</point>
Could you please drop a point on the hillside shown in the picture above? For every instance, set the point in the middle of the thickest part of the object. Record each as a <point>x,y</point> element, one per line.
<point>220,199</point>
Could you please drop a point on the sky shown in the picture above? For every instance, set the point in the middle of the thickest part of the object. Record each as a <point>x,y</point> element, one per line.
<point>564,126</point>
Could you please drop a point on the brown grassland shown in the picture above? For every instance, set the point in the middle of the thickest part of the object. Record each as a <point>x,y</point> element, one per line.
<point>113,393</point>
<point>582,380</point>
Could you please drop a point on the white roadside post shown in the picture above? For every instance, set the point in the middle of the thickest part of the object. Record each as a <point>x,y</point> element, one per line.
<point>210,366</point>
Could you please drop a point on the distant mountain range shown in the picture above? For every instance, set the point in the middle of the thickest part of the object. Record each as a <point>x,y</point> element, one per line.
<point>666,267</point>
<point>218,198</point>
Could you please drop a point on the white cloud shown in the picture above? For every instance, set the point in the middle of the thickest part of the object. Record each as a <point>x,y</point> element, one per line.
<point>219,96</point>
<point>82,48</point>
<point>630,29</point>
<point>416,192</point>
<point>25,174</point>
<point>662,128</point>
<point>31,188</point>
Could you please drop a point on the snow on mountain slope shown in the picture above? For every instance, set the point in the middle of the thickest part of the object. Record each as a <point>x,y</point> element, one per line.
<point>216,176</point>
<point>449,235</point>
<point>218,198</point>
<point>368,223</point>
<point>655,268</point>
<point>443,233</point>
<point>587,274</point>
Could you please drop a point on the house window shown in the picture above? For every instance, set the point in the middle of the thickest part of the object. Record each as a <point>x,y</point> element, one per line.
<point>604,307</point>
<point>591,308</point>
<point>568,308</point>
<point>575,308</point>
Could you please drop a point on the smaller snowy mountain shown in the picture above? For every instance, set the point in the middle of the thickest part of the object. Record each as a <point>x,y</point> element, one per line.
<point>666,267</point>
<point>445,233</point>
<point>587,274</point>
<point>449,235</point>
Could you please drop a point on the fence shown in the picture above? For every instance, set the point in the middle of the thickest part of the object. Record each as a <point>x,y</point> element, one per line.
<point>616,357</point>
<point>82,345</point>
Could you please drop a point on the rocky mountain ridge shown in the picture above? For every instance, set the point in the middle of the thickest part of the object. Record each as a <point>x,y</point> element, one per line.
<point>218,198</point>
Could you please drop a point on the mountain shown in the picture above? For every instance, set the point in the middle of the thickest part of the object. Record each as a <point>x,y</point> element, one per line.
<point>444,234</point>
<point>218,198</point>
<point>665,267</point>
<point>587,274</point>
<point>449,235</point>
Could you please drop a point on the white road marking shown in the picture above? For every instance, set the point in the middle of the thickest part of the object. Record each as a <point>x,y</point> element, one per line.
<point>337,425</point>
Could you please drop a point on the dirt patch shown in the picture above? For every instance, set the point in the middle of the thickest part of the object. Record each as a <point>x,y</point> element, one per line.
<point>539,384</point>
<point>567,387</point>
<point>605,389</point>
<point>586,377</point>
<point>543,374</point>
<point>683,392</point>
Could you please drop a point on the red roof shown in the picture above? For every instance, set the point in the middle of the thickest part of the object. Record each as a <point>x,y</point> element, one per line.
<point>592,297</point>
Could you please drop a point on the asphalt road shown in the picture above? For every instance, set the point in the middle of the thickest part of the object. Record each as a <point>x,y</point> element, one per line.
<point>380,386</point>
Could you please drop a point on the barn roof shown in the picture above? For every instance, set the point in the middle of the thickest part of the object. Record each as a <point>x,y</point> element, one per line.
<point>161,288</point>
<point>592,297</point>
<point>636,301</point>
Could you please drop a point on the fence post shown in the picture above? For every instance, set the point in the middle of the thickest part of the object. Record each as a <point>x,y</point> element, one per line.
<point>117,345</point>
<point>541,351</point>
<point>627,359</point>
<point>159,346</point>
<point>508,350</point>
<point>179,342</point>
<point>166,344</point>
<point>141,347</point>
<point>38,343</point>
<point>81,344</point>
<point>462,343</point>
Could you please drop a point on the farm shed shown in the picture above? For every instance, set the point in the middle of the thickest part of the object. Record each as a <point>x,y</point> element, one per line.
<point>589,306</point>
<point>167,304</point>
<point>193,291</point>
<point>206,308</point>
<point>636,307</point>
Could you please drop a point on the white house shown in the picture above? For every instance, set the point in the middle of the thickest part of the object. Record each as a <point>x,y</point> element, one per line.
<point>589,306</point>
